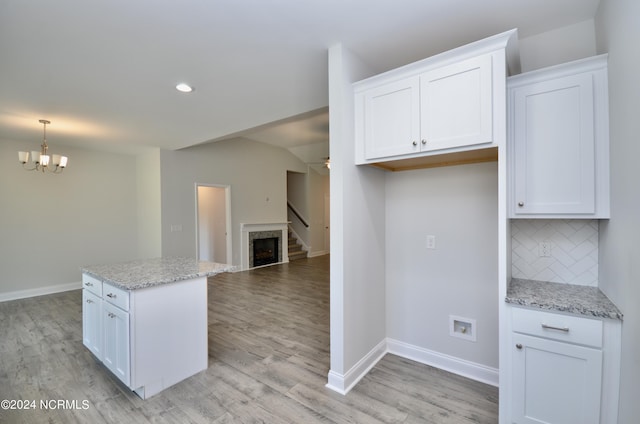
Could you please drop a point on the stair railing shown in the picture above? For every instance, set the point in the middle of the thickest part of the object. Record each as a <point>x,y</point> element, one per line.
<point>295,212</point>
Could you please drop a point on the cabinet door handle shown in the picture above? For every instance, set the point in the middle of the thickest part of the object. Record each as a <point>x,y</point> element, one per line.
<point>415,143</point>
<point>518,346</point>
<point>89,301</point>
<point>111,315</point>
<point>521,204</point>
<point>111,295</point>
<point>424,141</point>
<point>88,284</point>
<point>551,327</point>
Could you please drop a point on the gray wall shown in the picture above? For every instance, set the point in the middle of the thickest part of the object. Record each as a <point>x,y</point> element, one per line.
<point>459,206</point>
<point>50,225</point>
<point>618,33</point>
<point>256,172</point>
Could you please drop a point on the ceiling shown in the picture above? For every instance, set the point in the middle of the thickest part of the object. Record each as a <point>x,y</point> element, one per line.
<point>104,72</point>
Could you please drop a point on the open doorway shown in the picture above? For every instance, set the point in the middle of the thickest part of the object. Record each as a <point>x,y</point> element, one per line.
<point>213,229</point>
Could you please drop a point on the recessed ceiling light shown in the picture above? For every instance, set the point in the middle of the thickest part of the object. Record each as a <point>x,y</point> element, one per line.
<point>185,88</point>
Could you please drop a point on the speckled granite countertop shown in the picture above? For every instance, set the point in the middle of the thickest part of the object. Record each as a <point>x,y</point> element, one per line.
<point>152,272</point>
<point>581,300</point>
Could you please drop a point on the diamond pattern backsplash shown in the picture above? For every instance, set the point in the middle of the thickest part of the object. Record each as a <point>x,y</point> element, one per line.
<point>573,250</point>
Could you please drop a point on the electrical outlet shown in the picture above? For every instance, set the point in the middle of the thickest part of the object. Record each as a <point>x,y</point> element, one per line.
<point>544,249</point>
<point>431,241</point>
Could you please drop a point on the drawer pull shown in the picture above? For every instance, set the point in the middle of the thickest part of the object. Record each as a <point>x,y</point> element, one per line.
<point>88,284</point>
<point>111,295</point>
<point>89,301</point>
<point>111,315</point>
<point>551,327</point>
<point>518,346</point>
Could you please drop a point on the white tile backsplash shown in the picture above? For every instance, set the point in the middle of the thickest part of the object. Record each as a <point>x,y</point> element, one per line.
<point>574,250</point>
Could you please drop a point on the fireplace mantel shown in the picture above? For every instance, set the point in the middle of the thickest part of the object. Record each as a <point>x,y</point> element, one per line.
<point>246,228</point>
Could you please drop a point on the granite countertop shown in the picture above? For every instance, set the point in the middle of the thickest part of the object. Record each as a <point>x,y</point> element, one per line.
<point>574,299</point>
<point>144,273</point>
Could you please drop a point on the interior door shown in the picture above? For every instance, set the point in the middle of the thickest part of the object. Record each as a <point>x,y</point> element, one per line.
<point>214,234</point>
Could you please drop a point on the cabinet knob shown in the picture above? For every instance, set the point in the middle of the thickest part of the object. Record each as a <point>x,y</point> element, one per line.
<point>111,315</point>
<point>521,204</point>
<point>89,301</point>
<point>415,143</point>
<point>518,346</point>
<point>88,284</point>
<point>424,141</point>
<point>111,295</point>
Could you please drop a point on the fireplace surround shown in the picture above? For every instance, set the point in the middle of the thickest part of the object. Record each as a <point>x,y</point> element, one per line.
<point>250,232</point>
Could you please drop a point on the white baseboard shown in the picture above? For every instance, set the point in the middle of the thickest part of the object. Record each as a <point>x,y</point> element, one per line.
<point>40,291</point>
<point>317,253</point>
<point>344,383</point>
<point>445,362</point>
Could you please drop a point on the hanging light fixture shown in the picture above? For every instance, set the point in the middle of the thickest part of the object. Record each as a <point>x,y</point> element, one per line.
<point>42,159</point>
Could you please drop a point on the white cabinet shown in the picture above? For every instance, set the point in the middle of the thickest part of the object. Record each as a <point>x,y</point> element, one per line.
<point>555,382</point>
<point>559,141</point>
<point>392,119</point>
<point>117,356</point>
<point>447,107</point>
<point>456,104</point>
<point>150,338</point>
<point>92,322</point>
<point>560,368</point>
<point>449,103</point>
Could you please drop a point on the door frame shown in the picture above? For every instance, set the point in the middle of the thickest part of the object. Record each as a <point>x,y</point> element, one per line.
<point>227,206</point>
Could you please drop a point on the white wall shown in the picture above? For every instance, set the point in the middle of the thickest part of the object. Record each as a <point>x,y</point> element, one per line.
<point>459,206</point>
<point>256,172</point>
<point>357,234</point>
<point>559,46</point>
<point>51,225</point>
<point>618,33</point>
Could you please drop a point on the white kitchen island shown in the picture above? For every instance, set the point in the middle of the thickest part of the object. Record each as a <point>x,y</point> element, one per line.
<point>146,320</point>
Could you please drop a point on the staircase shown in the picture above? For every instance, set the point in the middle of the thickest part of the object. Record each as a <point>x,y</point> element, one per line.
<point>295,249</point>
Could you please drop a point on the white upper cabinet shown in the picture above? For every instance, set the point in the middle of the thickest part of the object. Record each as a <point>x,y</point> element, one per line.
<point>559,142</point>
<point>448,103</point>
<point>457,104</point>
<point>392,118</point>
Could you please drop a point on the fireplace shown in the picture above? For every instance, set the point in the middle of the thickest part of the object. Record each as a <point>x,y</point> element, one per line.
<point>265,251</point>
<point>264,248</point>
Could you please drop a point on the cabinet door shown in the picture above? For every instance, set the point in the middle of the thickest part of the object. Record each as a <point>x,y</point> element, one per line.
<point>392,119</point>
<point>116,341</point>
<point>457,104</point>
<point>555,382</point>
<point>92,322</point>
<point>554,143</point>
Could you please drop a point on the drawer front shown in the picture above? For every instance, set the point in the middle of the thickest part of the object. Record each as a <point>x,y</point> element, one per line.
<point>116,296</point>
<point>92,284</point>
<point>567,328</point>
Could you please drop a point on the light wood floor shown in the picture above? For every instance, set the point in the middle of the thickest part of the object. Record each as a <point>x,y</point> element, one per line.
<point>268,363</point>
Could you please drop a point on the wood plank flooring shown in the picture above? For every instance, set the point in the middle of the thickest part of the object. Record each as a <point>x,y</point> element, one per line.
<point>268,363</point>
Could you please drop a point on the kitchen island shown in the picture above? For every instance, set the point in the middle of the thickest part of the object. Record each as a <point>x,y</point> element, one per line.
<point>146,320</point>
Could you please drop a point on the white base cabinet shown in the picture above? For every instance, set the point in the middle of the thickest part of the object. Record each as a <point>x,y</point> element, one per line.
<point>150,338</point>
<point>555,382</point>
<point>564,368</point>
<point>92,322</point>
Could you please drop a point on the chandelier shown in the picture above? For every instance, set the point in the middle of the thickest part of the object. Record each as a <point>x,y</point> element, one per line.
<point>41,159</point>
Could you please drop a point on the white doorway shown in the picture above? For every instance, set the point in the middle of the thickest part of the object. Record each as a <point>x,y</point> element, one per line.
<point>213,219</point>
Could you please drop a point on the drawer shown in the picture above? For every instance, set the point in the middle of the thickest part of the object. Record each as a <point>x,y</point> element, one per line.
<point>567,328</point>
<point>116,296</point>
<point>92,284</point>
